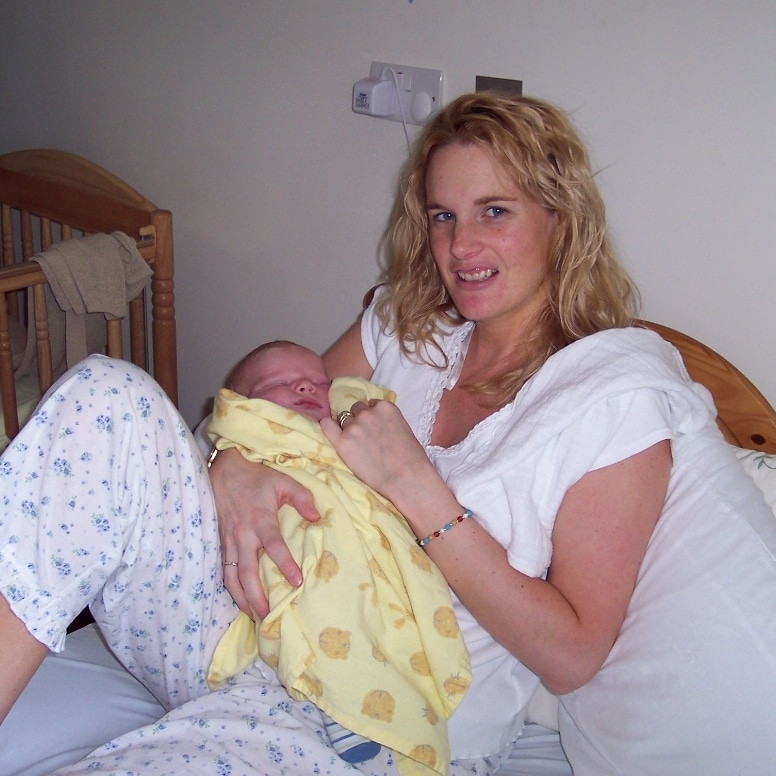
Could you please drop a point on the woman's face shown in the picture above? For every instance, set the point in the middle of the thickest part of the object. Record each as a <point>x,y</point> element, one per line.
<point>489,242</point>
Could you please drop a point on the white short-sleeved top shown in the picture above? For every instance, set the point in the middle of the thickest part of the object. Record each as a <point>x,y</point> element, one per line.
<point>596,402</point>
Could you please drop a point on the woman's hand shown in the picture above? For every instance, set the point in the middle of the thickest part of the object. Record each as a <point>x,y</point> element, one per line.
<point>248,497</point>
<point>379,447</point>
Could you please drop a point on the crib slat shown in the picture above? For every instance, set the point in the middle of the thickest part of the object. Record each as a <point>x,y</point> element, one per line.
<point>7,384</point>
<point>42,339</point>
<point>28,247</point>
<point>9,257</point>
<point>8,251</point>
<point>115,346</point>
<point>137,330</point>
<point>45,234</point>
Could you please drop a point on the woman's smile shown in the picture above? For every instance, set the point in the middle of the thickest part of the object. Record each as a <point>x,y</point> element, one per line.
<point>476,275</point>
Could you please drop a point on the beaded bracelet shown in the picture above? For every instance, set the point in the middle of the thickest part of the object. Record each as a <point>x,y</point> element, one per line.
<point>445,528</point>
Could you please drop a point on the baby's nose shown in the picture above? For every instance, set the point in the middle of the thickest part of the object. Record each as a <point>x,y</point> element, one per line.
<point>305,386</point>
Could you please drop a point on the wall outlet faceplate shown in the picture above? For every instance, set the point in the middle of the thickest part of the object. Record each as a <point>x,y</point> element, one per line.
<point>420,90</point>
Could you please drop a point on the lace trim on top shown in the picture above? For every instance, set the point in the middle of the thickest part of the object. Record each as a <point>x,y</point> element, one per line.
<point>455,348</point>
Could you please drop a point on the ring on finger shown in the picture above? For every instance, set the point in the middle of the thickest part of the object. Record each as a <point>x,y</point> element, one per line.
<point>343,416</point>
<point>231,563</point>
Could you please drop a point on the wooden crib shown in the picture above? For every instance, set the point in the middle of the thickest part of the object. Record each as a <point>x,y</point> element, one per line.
<point>48,196</point>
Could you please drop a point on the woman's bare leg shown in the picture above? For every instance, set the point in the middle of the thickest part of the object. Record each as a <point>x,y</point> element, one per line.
<point>20,656</point>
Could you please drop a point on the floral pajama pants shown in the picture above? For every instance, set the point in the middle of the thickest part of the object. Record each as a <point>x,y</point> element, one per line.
<point>105,501</point>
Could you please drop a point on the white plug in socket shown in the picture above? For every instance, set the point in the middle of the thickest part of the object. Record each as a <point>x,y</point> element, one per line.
<point>419,94</point>
<point>375,98</point>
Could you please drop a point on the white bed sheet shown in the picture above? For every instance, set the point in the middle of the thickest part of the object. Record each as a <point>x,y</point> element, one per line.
<point>78,699</point>
<point>82,697</point>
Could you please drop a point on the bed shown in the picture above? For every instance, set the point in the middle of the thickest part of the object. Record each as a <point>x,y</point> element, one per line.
<point>60,194</point>
<point>48,197</point>
<point>746,418</point>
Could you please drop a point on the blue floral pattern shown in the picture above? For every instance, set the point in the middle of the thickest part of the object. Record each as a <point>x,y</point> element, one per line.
<point>106,502</point>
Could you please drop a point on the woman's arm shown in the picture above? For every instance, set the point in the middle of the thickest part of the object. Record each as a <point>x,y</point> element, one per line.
<point>249,495</point>
<point>562,628</point>
<point>346,356</point>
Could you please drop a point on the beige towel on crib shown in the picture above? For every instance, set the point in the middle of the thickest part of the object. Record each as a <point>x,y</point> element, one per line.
<point>371,636</point>
<point>99,273</point>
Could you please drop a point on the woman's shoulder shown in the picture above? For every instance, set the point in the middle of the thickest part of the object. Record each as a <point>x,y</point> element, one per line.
<point>600,376</point>
<point>618,357</point>
<point>625,341</point>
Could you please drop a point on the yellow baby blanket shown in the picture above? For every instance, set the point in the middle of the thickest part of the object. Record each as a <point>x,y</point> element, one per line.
<point>371,636</point>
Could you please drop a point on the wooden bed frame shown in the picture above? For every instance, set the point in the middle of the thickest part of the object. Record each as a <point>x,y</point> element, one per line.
<point>49,195</point>
<point>744,414</point>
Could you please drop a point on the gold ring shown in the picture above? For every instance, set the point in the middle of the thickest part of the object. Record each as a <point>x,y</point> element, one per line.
<point>231,563</point>
<point>343,416</point>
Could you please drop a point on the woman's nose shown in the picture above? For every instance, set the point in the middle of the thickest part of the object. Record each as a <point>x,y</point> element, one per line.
<point>465,241</point>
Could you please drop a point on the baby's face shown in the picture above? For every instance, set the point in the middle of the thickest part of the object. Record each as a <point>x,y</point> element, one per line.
<point>291,376</point>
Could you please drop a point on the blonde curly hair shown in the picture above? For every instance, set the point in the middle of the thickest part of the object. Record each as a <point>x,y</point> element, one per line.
<point>589,291</point>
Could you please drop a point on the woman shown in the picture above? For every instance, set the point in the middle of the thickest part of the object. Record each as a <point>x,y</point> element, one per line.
<point>491,275</point>
<point>501,328</point>
<point>609,520</point>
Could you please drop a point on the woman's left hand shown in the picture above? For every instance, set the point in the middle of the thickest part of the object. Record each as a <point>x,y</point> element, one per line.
<point>381,450</point>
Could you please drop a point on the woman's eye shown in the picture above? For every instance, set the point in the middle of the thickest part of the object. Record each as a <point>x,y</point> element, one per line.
<point>442,217</point>
<point>495,211</point>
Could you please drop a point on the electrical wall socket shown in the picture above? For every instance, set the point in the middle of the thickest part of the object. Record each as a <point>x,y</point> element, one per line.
<point>420,90</point>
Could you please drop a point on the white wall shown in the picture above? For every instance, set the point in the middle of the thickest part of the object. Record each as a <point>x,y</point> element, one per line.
<point>236,116</point>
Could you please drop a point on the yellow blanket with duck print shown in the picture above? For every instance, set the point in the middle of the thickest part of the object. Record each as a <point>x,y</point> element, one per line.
<point>370,637</point>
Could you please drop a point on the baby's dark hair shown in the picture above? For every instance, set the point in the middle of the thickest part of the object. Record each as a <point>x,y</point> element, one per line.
<point>257,351</point>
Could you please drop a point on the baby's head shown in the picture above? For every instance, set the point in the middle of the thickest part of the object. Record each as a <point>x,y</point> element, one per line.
<point>286,374</point>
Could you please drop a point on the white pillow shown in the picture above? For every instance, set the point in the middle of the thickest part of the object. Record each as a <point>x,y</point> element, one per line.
<point>761,467</point>
<point>688,686</point>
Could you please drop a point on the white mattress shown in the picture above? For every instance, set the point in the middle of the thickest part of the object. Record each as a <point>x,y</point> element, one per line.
<point>78,699</point>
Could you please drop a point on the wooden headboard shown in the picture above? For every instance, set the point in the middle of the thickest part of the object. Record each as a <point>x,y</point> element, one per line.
<point>744,414</point>
<point>48,195</point>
